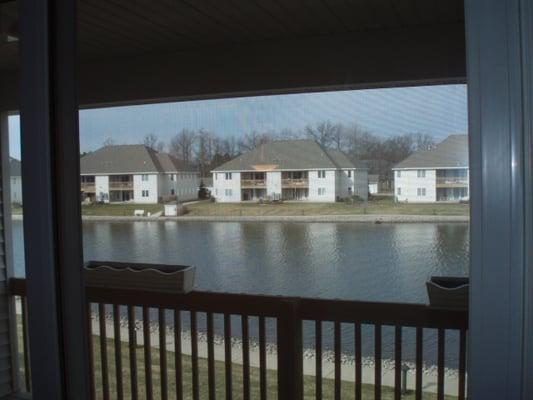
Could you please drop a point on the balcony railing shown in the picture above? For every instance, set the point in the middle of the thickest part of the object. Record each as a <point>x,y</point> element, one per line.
<point>452,181</point>
<point>121,185</point>
<point>87,186</point>
<point>289,182</point>
<point>123,323</point>
<point>253,183</point>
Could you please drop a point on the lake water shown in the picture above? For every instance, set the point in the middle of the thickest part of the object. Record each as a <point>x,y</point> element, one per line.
<point>385,262</point>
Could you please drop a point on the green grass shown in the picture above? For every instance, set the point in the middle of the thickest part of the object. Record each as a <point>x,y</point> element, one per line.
<point>119,209</point>
<point>309,381</point>
<point>376,207</point>
<point>347,388</point>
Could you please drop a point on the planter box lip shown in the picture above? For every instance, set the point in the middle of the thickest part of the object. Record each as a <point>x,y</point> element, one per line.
<point>441,282</point>
<point>119,266</point>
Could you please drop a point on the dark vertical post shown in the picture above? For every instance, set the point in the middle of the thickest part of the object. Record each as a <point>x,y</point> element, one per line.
<point>52,223</point>
<point>290,362</point>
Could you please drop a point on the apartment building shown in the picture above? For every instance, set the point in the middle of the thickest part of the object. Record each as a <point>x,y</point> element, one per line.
<point>436,175</point>
<point>297,170</point>
<point>135,173</point>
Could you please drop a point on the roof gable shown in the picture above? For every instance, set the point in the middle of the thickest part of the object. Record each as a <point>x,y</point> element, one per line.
<point>452,152</point>
<point>128,159</point>
<point>288,155</point>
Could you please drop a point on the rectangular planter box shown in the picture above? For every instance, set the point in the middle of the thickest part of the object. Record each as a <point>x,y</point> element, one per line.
<point>448,292</point>
<point>135,276</point>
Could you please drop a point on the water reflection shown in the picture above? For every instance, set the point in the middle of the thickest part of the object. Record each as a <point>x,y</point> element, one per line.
<point>388,262</point>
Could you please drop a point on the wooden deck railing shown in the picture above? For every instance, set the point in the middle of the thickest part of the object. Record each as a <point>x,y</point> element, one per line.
<point>293,182</point>
<point>119,185</point>
<point>281,319</point>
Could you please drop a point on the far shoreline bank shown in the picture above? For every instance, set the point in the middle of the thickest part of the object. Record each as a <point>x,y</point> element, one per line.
<point>364,218</point>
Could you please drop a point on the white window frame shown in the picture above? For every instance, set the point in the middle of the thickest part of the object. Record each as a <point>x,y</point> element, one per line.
<point>228,176</point>
<point>321,174</point>
<point>421,173</point>
<point>144,177</point>
<point>398,174</point>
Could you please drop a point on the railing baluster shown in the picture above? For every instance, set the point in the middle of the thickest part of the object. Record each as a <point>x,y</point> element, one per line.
<point>245,359</point>
<point>440,364</point>
<point>194,356</point>
<point>103,351</point>
<point>262,359</point>
<point>133,352</point>
<point>147,353</point>
<point>318,360</point>
<point>25,346</point>
<point>358,363</point>
<point>337,350</point>
<point>118,352</point>
<point>462,364</point>
<point>398,362</point>
<point>227,356</point>
<point>377,362</point>
<point>177,355</point>
<point>163,353</point>
<point>419,358</point>
<point>211,358</point>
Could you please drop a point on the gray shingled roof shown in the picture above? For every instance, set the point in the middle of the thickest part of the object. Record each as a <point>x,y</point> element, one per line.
<point>452,152</point>
<point>288,155</point>
<point>128,159</point>
<point>15,167</point>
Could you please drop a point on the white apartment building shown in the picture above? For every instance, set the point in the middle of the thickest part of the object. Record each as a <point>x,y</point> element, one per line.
<point>299,170</point>
<point>15,172</point>
<point>137,174</point>
<point>436,175</point>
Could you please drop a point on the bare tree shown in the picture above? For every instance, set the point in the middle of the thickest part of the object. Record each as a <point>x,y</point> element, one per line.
<point>151,140</point>
<point>181,145</point>
<point>325,133</point>
<point>252,140</point>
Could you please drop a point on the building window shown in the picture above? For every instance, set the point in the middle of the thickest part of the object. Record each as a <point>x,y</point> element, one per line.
<point>420,192</point>
<point>399,191</point>
<point>228,176</point>
<point>145,193</point>
<point>350,190</point>
<point>171,177</point>
<point>228,192</point>
<point>321,191</point>
<point>398,174</point>
<point>172,192</point>
<point>349,174</point>
<point>321,174</point>
<point>421,173</point>
<point>144,178</point>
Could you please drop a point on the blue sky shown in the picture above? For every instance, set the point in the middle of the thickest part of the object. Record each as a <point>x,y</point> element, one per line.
<point>436,110</point>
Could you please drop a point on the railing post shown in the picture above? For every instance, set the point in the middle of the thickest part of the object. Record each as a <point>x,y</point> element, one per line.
<point>290,368</point>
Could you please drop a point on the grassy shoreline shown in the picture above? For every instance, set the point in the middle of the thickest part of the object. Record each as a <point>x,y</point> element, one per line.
<point>376,207</point>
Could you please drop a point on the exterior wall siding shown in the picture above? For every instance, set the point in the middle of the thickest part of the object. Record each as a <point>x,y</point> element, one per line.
<point>273,182</point>
<point>16,189</point>
<point>227,190</point>
<point>407,184</point>
<point>327,183</point>
<point>101,185</point>
<point>150,185</point>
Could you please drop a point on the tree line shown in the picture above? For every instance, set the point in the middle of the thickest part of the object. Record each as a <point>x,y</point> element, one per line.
<point>204,150</point>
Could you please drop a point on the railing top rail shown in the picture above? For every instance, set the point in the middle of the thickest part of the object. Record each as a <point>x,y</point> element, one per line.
<point>377,313</point>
